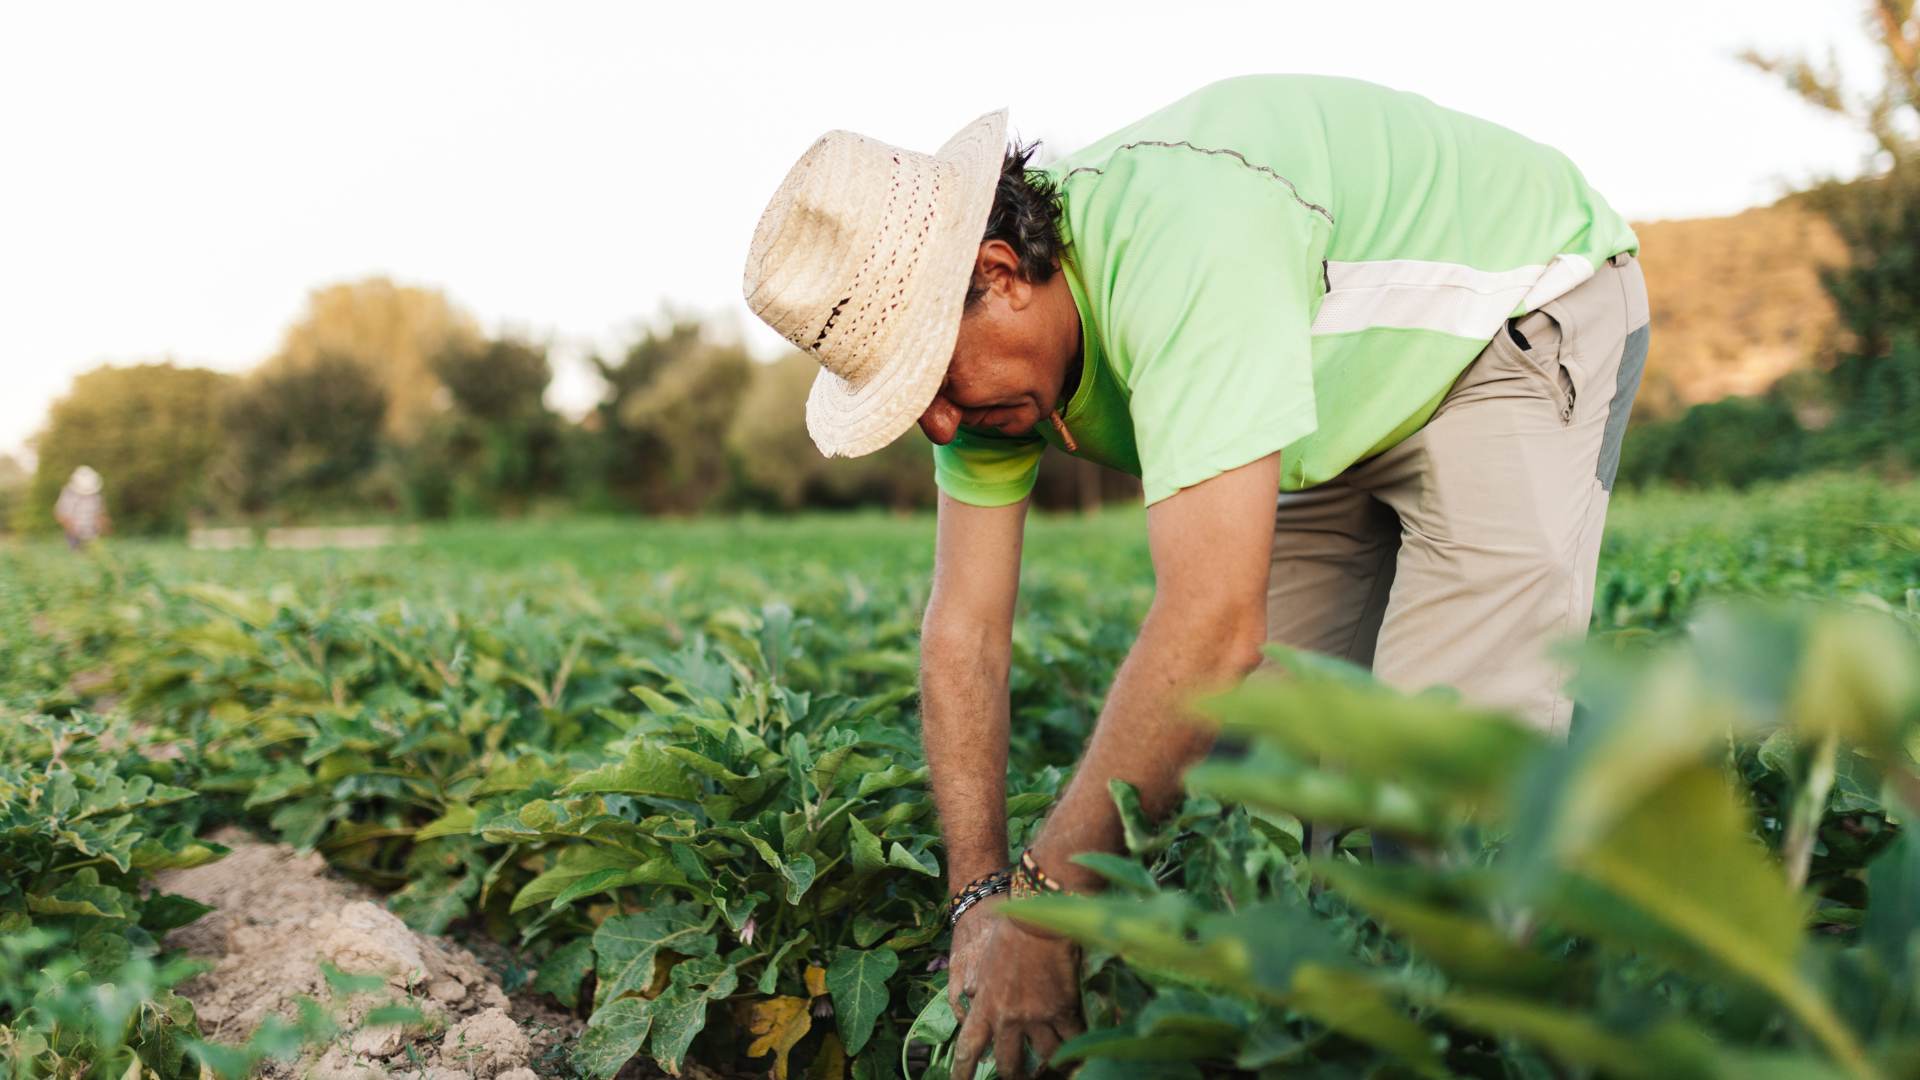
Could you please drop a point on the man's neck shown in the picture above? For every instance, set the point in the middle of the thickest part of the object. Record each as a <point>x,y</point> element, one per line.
<point>1072,382</point>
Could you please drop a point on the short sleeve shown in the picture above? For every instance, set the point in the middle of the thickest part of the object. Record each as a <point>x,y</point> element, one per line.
<point>1212,309</point>
<point>988,470</point>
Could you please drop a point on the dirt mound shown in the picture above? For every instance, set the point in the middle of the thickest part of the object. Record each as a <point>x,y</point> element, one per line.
<point>279,915</point>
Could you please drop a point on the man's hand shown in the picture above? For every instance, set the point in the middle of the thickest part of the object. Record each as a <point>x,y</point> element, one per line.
<point>1019,987</point>
<point>969,941</point>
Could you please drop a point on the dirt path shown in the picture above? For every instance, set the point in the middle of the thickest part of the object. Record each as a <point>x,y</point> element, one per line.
<point>280,914</point>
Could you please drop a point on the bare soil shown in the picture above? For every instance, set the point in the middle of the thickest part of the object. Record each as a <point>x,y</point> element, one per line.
<point>279,915</point>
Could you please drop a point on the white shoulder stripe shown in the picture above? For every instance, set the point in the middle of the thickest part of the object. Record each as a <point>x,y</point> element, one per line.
<point>1451,298</point>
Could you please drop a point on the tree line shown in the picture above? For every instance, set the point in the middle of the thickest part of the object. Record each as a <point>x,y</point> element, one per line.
<point>388,400</point>
<point>1859,408</point>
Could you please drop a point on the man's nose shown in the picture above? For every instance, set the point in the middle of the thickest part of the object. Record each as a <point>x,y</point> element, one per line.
<point>941,421</point>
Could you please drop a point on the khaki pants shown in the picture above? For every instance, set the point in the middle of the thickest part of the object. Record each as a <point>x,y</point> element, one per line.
<point>1463,555</point>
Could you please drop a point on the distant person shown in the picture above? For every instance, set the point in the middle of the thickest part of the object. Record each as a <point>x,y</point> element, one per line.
<point>81,510</point>
<point>1371,358</point>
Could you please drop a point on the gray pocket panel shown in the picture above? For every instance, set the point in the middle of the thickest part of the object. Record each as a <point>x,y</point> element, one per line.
<point>1633,360</point>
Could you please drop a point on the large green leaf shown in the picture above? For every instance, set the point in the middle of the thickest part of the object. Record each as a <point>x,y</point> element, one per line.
<point>1710,885</point>
<point>1124,1044</point>
<point>165,911</point>
<point>680,1012</point>
<point>1362,1008</point>
<point>584,871</point>
<point>1272,781</point>
<point>1893,920</point>
<point>746,787</point>
<point>626,946</point>
<point>646,770</point>
<point>857,979</point>
<point>1642,731</point>
<point>1468,947</point>
<point>430,903</point>
<point>1123,873</point>
<point>1669,1052</point>
<point>562,972</point>
<point>1438,746</point>
<point>458,820</point>
<point>613,1036</point>
<point>174,848</point>
<point>1178,1025</point>
<point>1254,951</point>
<point>82,895</point>
<point>864,847</point>
<point>921,863</point>
<point>692,672</point>
<point>1860,679</point>
<point>893,776</point>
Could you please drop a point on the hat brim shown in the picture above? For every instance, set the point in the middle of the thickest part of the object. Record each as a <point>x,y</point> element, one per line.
<point>853,419</point>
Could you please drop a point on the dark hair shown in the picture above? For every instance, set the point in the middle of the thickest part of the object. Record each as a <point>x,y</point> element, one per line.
<point>1026,214</point>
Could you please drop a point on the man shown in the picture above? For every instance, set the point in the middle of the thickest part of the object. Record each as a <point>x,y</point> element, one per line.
<point>1372,360</point>
<point>81,510</point>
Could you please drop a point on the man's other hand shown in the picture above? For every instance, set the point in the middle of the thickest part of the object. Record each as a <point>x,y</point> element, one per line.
<point>1020,987</point>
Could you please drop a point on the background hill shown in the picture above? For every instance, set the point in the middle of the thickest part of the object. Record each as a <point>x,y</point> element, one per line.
<point>1737,303</point>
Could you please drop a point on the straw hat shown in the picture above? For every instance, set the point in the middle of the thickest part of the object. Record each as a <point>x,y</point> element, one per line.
<point>85,480</point>
<point>863,259</point>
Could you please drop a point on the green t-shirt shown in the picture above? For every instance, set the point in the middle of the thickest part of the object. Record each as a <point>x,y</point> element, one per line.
<point>1291,263</point>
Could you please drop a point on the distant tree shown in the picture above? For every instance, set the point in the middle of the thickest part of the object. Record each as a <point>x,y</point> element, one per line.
<point>642,361</point>
<point>394,332</point>
<point>303,435</point>
<point>149,429</point>
<point>776,464</point>
<point>1877,292</point>
<point>1732,442</point>
<point>1890,112</point>
<point>497,446</point>
<point>14,482</point>
<point>669,403</point>
<point>497,379</point>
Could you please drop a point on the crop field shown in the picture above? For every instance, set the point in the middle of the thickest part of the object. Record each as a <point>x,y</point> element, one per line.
<point>606,795</point>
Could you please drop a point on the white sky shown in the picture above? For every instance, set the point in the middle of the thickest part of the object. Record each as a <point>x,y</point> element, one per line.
<point>174,178</point>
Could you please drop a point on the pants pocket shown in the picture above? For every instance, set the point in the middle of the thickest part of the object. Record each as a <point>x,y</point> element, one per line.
<point>1537,341</point>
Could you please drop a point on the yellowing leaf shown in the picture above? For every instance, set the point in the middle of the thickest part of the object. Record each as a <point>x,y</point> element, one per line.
<point>816,980</point>
<point>831,1062</point>
<point>778,1024</point>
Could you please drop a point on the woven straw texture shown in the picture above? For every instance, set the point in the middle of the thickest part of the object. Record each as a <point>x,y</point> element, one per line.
<point>863,258</point>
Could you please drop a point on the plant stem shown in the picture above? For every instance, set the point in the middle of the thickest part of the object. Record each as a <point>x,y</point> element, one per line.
<point>1809,806</point>
<point>1823,1025</point>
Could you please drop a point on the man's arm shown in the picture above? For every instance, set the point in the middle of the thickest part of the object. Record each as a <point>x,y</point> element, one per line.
<point>966,646</point>
<point>1211,549</point>
<point>1211,544</point>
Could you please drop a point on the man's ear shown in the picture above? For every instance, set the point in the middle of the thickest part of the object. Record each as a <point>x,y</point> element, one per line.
<point>997,269</point>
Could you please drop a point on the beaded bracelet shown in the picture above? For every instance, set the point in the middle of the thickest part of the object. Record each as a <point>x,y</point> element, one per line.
<point>1029,880</point>
<point>977,890</point>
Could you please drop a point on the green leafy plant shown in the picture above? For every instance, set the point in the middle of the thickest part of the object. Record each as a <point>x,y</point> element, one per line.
<point>673,770</point>
<point>1609,904</point>
<point>734,808</point>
